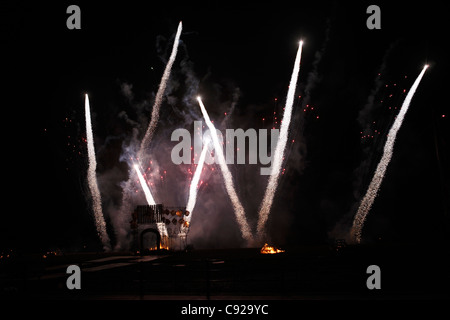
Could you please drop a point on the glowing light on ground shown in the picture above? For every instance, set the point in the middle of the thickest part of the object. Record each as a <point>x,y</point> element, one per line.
<point>266,249</point>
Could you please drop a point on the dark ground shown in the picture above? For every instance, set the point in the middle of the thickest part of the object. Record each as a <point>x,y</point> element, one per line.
<point>418,272</point>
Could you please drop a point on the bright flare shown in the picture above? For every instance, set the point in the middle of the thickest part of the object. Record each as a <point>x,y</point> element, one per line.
<point>159,97</point>
<point>228,179</point>
<point>374,186</point>
<point>92,181</point>
<point>120,223</point>
<point>280,148</point>
<point>266,249</point>
<point>194,183</point>
<point>144,185</point>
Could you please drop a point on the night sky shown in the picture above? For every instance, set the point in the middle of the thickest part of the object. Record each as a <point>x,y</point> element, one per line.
<point>234,52</point>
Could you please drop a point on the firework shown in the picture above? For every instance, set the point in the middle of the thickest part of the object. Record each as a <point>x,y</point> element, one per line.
<point>374,186</point>
<point>120,221</point>
<point>194,183</point>
<point>280,148</point>
<point>228,179</point>
<point>159,96</point>
<point>92,181</point>
<point>144,185</point>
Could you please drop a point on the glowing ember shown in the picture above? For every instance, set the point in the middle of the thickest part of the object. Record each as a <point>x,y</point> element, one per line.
<point>266,249</point>
<point>161,247</point>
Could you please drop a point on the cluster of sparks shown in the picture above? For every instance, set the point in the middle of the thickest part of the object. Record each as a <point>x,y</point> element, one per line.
<point>390,96</point>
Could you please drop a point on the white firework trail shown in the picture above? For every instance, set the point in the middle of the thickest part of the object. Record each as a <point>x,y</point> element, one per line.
<point>228,179</point>
<point>120,222</point>
<point>194,183</point>
<point>280,148</point>
<point>374,186</point>
<point>92,181</point>
<point>144,185</point>
<point>159,97</point>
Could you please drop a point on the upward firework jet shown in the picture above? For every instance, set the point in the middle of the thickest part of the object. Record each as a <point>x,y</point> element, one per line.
<point>228,179</point>
<point>120,222</point>
<point>374,186</point>
<point>92,181</point>
<point>194,183</point>
<point>159,96</point>
<point>147,193</point>
<point>279,150</point>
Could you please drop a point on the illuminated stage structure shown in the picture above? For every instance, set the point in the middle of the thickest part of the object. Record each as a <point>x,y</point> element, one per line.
<point>157,228</point>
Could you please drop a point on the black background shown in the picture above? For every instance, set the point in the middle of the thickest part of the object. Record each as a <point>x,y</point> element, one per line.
<point>47,69</point>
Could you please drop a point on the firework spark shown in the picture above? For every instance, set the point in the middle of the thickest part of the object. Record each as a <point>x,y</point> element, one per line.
<point>280,148</point>
<point>92,181</point>
<point>228,179</point>
<point>120,221</point>
<point>374,186</point>
<point>194,183</point>
<point>159,96</point>
<point>144,185</point>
